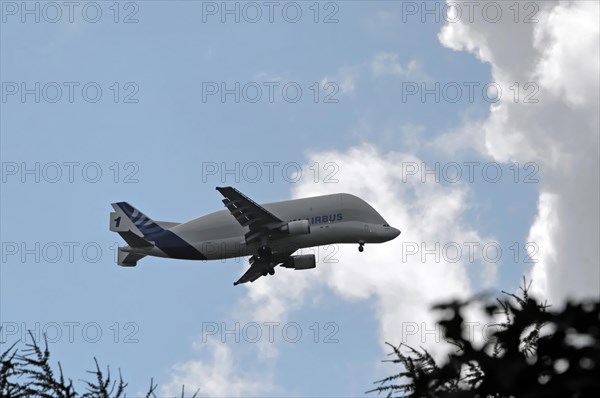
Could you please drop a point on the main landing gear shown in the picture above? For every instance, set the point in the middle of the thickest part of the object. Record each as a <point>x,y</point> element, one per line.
<point>265,254</point>
<point>361,246</point>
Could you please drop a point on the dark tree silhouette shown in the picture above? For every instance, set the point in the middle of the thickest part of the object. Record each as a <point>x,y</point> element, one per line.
<point>29,374</point>
<point>518,361</point>
<point>534,353</point>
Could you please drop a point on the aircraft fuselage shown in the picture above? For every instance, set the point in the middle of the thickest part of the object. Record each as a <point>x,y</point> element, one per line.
<point>336,218</point>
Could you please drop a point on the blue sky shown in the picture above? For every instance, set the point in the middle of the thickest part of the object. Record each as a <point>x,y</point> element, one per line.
<point>159,143</point>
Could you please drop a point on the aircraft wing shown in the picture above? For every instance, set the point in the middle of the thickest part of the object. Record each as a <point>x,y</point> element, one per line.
<point>249,213</point>
<point>260,267</point>
<point>256,270</point>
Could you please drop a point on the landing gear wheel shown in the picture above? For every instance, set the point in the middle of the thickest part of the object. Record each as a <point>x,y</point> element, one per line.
<point>272,271</point>
<point>361,245</point>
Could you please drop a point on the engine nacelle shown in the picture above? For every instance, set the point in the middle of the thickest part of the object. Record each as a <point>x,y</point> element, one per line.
<point>303,261</point>
<point>298,227</point>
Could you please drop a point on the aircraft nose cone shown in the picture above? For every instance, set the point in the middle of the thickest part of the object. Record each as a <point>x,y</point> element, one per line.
<point>393,233</point>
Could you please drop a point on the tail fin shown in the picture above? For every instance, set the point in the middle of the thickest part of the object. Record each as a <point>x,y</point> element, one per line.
<point>134,227</point>
<point>141,232</point>
<point>128,218</point>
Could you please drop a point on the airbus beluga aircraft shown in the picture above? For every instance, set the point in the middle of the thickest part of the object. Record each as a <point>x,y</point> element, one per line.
<point>269,233</point>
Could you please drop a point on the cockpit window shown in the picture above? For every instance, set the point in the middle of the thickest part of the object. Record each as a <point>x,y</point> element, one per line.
<point>386,225</point>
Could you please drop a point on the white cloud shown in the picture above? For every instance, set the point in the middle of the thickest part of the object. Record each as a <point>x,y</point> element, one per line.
<point>267,77</point>
<point>460,37</point>
<point>541,232</point>
<point>386,64</point>
<point>403,289</point>
<point>383,65</point>
<point>347,78</point>
<point>560,54</point>
<point>560,133</point>
<point>219,376</point>
<point>461,139</point>
<point>568,38</point>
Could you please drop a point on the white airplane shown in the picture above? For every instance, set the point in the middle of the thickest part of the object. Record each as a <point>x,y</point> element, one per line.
<point>270,233</point>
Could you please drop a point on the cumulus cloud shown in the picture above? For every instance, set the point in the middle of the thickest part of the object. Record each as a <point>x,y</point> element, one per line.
<point>219,376</point>
<point>559,54</point>
<point>567,37</point>
<point>403,286</point>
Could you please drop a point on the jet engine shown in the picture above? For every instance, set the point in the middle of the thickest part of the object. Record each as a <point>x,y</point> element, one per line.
<point>303,261</point>
<point>298,227</point>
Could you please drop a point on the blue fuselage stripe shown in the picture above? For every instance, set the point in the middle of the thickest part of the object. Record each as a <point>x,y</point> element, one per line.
<point>167,241</point>
<point>175,247</point>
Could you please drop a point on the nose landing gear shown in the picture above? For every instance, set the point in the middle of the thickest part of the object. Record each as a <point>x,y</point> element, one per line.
<point>361,245</point>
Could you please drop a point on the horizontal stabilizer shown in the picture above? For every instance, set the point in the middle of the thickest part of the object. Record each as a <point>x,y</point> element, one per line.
<point>128,259</point>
